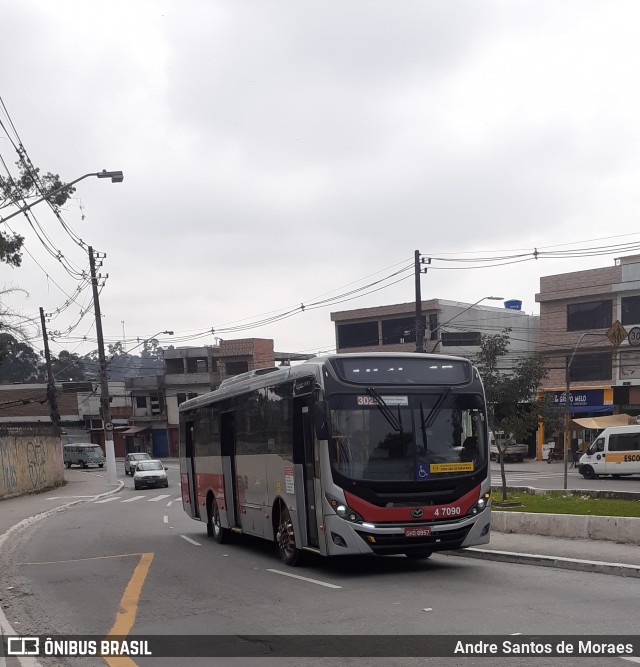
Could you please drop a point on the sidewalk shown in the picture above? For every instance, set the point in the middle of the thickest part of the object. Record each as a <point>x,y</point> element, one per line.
<point>15,513</point>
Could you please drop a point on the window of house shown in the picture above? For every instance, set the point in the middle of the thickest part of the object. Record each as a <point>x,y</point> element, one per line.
<point>182,398</point>
<point>595,366</point>
<point>460,338</point>
<point>175,367</point>
<point>359,334</point>
<point>236,367</point>
<point>197,365</point>
<point>433,326</point>
<point>631,310</point>
<point>589,315</point>
<point>141,401</point>
<point>400,330</point>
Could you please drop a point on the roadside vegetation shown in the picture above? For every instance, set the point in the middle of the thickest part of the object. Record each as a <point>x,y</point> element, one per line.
<point>556,502</point>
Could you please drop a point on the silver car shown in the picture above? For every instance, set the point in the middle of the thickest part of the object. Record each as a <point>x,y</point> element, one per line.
<point>150,473</point>
<point>131,460</point>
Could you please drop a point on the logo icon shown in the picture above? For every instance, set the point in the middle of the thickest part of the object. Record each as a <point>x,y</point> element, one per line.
<point>416,513</point>
<point>23,646</point>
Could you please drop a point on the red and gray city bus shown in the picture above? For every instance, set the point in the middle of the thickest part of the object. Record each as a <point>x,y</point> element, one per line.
<point>341,455</point>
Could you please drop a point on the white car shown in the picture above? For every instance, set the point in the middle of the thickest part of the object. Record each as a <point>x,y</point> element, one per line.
<point>150,473</point>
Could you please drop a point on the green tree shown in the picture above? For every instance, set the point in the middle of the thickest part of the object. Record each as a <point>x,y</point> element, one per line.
<point>67,367</point>
<point>18,361</point>
<point>515,403</point>
<point>16,192</point>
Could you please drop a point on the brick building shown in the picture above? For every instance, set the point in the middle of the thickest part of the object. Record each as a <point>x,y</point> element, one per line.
<point>577,310</point>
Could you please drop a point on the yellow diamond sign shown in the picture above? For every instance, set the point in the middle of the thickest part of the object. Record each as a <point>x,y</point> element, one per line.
<point>616,333</point>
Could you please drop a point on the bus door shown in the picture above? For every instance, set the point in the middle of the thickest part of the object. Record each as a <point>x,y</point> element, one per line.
<point>228,451</point>
<point>303,460</point>
<point>191,469</point>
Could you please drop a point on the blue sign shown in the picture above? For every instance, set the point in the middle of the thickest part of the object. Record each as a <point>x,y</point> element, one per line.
<point>422,471</point>
<point>580,398</point>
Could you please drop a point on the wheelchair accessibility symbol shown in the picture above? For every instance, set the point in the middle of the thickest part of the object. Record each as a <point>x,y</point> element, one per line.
<point>422,471</point>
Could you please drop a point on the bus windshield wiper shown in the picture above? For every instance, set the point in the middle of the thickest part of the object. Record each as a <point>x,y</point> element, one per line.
<point>423,427</point>
<point>433,413</point>
<point>395,422</point>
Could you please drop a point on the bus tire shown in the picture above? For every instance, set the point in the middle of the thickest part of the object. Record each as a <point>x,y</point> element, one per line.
<point>286,540</point>
<point>214,524</point>
<point>420,554</point>
<point>588,472</point>
<point>68,464</point>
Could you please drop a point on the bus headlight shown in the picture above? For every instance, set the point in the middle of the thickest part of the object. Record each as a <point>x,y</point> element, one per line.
<point>483,501</point>
<point>343,510</point>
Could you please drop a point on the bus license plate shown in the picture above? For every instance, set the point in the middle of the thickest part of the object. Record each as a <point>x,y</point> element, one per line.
<point>417,532</point>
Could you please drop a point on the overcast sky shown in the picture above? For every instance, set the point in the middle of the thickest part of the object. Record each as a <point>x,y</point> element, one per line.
<point>282,153</point>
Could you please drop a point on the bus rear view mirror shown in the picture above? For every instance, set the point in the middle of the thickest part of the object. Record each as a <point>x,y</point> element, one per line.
<point>321,420</point>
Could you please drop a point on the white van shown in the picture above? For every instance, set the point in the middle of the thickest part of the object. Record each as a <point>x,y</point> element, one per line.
<point>83,454</point>
<point>616,452</point>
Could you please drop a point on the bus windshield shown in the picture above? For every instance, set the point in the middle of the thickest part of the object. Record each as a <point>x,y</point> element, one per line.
<point>392,437</point>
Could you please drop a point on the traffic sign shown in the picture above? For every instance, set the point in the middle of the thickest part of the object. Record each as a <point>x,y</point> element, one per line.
<point>634,337</point>
<point>108,426</point>
<point>616,334</point>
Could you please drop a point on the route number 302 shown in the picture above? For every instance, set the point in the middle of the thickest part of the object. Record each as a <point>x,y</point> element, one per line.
<point>447,511</point>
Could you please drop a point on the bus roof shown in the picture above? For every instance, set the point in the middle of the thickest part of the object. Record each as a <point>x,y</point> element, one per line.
<point>265,377</point>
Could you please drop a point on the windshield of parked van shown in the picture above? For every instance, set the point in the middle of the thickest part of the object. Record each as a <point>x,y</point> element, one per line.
<point>377,436</point>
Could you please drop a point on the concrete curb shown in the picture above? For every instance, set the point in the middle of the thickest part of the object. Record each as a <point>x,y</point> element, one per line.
<point>575,564</point>
<point>5,626</point>
<point>625,530</point>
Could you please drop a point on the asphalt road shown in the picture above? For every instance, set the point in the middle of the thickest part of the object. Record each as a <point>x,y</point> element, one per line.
<point>78,571</point>
<point>543,475</point>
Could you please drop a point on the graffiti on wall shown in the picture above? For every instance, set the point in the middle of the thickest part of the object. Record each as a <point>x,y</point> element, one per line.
<point>37,461</point>
<point>7,468</point>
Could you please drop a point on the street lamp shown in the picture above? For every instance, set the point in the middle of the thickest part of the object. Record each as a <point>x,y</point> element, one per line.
<point>484,298</point>
<point>115,176</point>
<point>567,410</point>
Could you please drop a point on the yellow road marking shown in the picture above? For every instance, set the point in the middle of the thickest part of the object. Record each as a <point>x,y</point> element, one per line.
<point>126,616</point>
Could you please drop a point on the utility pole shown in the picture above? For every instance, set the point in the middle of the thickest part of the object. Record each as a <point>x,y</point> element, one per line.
<point>109,449</point>
<point>419,321</point>
<point>51,383</point>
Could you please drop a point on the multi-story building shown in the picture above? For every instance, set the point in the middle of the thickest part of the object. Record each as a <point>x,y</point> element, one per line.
<point>191,371</point>
<point>583,316</point>
<point>451,327</point>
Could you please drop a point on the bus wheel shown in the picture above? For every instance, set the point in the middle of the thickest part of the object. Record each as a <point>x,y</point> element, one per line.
<point>419,554</point>
<point>588,472</point>
<point>68,464</point>
<point>286,540</point>
<point>214,525</point>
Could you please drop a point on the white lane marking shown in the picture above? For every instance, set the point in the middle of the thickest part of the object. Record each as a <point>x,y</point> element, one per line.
<point>169,503</point>
<point>297,576</point>
<point>165,519</point>
<point>184,537</point>
<point>637,660</point>
<point>176,499</point>
<point>106,500</point>
<point>155,500</point>
<point>63,497</point>
<point>130,500</point>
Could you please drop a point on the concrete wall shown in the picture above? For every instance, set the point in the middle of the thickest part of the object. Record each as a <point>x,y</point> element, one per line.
<point>30,460</point>
<point>612,528</point>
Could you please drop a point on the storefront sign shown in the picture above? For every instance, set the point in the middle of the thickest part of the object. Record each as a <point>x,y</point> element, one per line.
<point>580,398</point>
